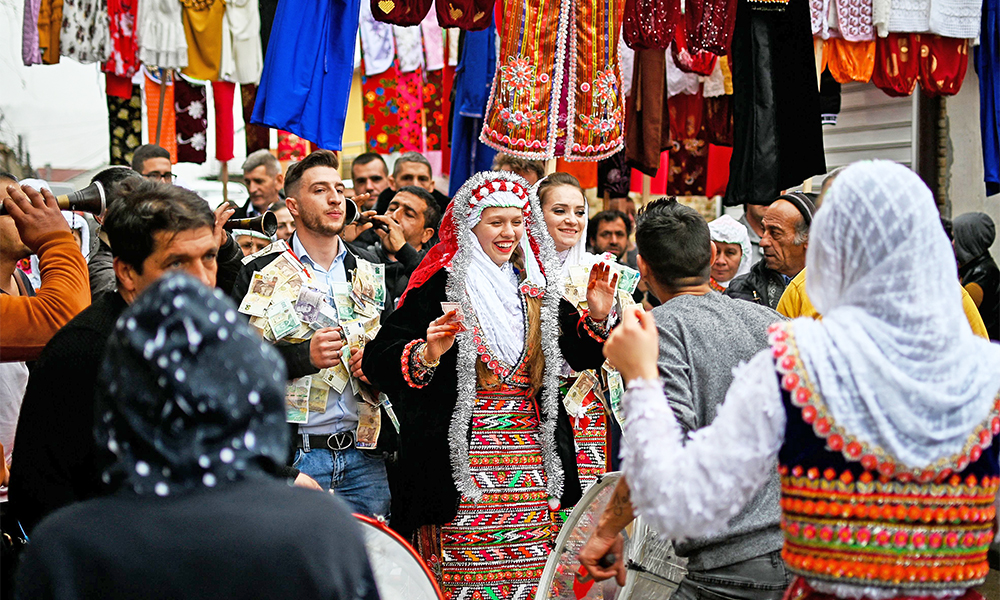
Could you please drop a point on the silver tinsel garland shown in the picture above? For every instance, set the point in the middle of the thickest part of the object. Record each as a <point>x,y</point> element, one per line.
<point>461,421</point>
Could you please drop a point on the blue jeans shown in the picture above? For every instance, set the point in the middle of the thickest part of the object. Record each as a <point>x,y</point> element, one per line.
<point>355,477</point>
<point>760,578</point>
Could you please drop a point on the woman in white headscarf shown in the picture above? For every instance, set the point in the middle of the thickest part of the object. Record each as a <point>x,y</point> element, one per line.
<point>733,250</point>
<point>564,208</point>
<point>486,450</point>
<point>881,417</point>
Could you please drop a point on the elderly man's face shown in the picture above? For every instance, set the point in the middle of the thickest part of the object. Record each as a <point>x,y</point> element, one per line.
<point>778,246</point>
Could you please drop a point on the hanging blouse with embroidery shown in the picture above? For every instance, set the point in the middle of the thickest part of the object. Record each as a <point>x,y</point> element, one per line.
<point>557,89</point>
<point>741,447</point>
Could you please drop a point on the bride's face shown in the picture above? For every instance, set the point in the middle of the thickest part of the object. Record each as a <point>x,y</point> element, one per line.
<point>499,231</point>
<point>565,212</point>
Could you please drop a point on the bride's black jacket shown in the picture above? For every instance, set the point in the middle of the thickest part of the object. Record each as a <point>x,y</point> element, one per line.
<point>423,491</point>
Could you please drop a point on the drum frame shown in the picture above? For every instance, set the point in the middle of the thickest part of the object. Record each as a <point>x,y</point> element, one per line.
<point>380,524</point>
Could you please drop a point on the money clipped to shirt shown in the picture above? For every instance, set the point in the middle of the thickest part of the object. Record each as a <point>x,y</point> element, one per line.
<point>297,400</point>
<point>272,248</point>
<point>319,393</point>
<point>336,377</point>
<point>281,317</point>
<point>369,426</point>
<point>368,288</point>
<point>577,394</point>
<point>258,297</point>
<point>616,391</point>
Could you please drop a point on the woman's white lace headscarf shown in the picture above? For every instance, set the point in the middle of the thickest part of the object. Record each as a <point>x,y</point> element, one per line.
<point>728,230</point>
<point>894,357</point>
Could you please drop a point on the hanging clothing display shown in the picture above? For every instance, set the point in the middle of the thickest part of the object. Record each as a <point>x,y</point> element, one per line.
<point>380,109</point>
<point>470,15</point>
<point>222,99</point>
<point>30,53</point>
<point>49,26</point>
<point>411,106</point>
<point>378,46</point>
<point>896,67</point>
<point>688,152</point>
<point>120,87</point>
<point>778,138</point>
<point>162,42</point>
<point>168,133</point>
<point>943,62</point>
<point>987,64</point>
<point>691,61</point>
<point>472,87</point>
<point>203,31</point>
<point>320,60</point>
<point>124,127</point>
<point>433,37</point>
<point>829,98</point>
<point>191,110</point>
<point>650,24</point>
<point>709,25</point>
<point>849,19</point>
<point>647,120</point>
<point>435,115</point>
<point>409,48</point>
<point>124,57</point>
<point>266,9</point>
<point>401,12</point>
<point>949,18</point>
<point>719,120</point>
<point>849,61</point>
<point>613,175</point>
<point>291,147</point>
<point>257,136</point>
<point>557,89</point>
<point>242,55</point>
<point>84,35</point>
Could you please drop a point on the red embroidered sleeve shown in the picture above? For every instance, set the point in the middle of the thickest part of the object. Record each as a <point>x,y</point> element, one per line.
<point>415,373</point>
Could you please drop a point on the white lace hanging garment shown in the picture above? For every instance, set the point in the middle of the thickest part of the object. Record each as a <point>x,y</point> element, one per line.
<point>161,34</point>
<point>894,357</point>
<point>948,18</point>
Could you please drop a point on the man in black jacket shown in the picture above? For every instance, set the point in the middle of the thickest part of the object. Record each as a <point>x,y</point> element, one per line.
<point>784,244</point>
<point>326,444</point>
<point>412,221</point>
<point>153,229</point>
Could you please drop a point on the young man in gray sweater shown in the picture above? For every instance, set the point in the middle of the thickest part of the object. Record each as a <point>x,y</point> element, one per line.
<point>703,336</point>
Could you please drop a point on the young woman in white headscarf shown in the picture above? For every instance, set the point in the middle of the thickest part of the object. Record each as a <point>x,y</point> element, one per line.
<point>733,251</point>
<point>564,208</point>
<point>882,416</point>
<point>486,449</point>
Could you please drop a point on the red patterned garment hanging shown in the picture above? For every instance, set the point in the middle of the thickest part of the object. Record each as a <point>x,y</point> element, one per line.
<point>557,90</point>
<point>691,61</point>
<point>709,25</point>
<point>650,24</point>
<point>896,68</point>
<point>943,62</point>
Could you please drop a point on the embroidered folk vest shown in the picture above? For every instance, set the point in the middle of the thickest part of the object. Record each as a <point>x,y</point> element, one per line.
<point>851,514</point>
<point>557,89</point>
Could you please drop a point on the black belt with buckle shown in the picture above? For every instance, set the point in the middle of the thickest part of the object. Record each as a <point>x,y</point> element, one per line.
<point>323,441</point>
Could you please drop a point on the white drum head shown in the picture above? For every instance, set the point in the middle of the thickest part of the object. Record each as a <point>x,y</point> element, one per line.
<point>399,571</point>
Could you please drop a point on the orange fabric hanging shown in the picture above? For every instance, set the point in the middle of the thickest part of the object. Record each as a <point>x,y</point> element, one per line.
<point>585,172</point>
<point>168,131</point>
<point>943,62</point>
<point>849,61</point>
<point>897,68</point>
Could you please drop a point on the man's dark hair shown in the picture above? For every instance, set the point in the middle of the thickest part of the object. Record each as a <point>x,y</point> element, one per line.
<point>607,216</point>
<point>145,208</point>
<point>111,176</point>
<point>368,157</point>
<point>519,165</point>
<point>146,152</point>
<point>411,157</point>
<point>675,242</point>
<point>11,176</point>
<point>432,215</point>
<point>319,158</point>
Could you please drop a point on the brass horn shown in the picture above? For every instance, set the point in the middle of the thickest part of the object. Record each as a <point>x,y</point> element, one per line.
<point>90,199</point>
<point>267,224</point>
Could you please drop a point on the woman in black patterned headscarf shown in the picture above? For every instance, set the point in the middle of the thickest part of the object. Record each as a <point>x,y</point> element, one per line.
<point>192,414</point>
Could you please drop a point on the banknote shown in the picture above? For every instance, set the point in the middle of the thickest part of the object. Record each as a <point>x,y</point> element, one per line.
<point>342,299</point>
<point>616,390</point>
<point>336,377</point>
<point>447,307</point>
<point>327,317</point>
<point>297,400</point>
<point>282,319</point>
<point>272,248</point>
<point>258,296</point>
<point>319,391</point>
<point>628,278</point>
<point>369,426</point>
<point>284,267</point>
<point>309,303</point>
<point>578,393</point>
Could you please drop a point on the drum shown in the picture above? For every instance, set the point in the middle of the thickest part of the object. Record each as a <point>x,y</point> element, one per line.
<point>399,571</point>
<point>653,569</point>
